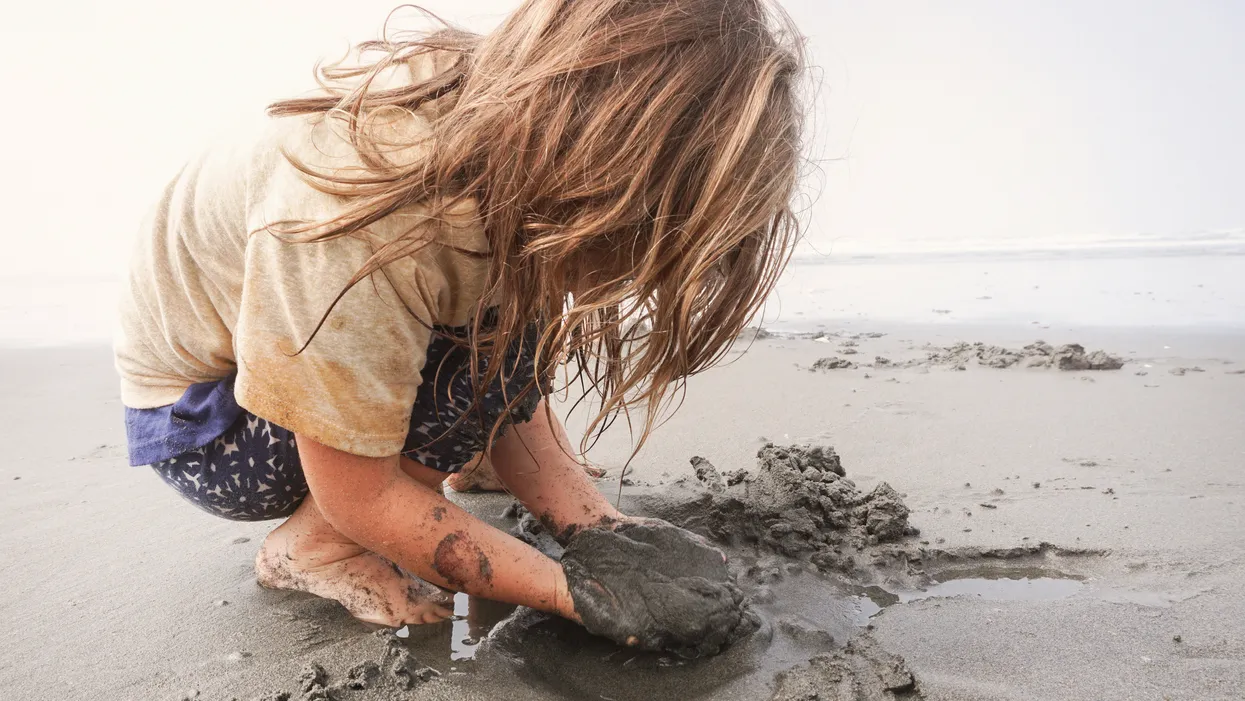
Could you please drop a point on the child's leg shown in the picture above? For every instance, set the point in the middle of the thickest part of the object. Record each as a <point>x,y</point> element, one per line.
<point>253,473</point>
<point>476,476</point>
<point>249,473</point>
<point>307,554</point>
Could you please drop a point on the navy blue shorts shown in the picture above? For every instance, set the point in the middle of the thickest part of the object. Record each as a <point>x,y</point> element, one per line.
<point>251,471</point>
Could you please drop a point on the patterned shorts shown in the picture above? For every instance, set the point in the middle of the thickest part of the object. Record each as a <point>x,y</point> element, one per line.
<point>252,471</point>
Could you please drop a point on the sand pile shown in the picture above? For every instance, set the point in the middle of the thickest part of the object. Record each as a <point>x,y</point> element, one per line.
<point>1071,356</point>
<point>394,671</point>
<point>798,504</point>
<point>832,363</point>
<point>859,671</point>
<point>1039,354</point>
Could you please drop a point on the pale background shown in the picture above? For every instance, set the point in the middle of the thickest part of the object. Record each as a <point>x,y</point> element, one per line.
<point>943,126</point>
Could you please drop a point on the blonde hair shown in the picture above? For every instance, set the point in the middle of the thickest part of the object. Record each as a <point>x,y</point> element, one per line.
<point>633,163</point>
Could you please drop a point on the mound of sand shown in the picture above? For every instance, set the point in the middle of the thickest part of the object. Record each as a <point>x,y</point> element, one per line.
<point>798,504</point>
<point>1071,356</point>
<point>832,363</point>
<point>859,671</point>
<point>394,672</point>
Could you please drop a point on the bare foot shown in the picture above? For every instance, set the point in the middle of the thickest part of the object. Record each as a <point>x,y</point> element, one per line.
<point>479,476</point>
<point>306,554</point>
<point>476,476</point>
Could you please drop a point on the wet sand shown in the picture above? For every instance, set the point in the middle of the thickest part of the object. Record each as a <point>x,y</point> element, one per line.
<point>1082,535</point>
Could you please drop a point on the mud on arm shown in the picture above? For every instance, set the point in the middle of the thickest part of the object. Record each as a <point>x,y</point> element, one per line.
<point>536,464</point>
<point>375,503</point>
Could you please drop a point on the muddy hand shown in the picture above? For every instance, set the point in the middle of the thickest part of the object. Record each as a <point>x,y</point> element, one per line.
<point>663,524</point>
<point>653,586</point>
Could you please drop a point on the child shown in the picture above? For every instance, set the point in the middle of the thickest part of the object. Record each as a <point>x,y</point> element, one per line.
<point>324,321</point>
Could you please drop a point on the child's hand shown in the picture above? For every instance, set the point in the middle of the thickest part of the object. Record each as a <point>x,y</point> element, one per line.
<point>564,602</point>
<point>651,585</point>
<point>660,523</point>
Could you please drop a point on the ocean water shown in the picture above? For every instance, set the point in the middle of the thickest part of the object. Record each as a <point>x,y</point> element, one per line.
<point>1196,282</point>
<point>1136,282</point>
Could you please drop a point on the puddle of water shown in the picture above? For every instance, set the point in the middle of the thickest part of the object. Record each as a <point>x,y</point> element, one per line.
<point>474,619</point>
<point>826,606</point>
<point>457,639</point>
<point>1023,589</point>
<point>998,584</point>
<point>989,584</point>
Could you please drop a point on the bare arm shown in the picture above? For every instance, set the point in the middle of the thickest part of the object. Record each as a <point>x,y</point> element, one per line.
<point>374,502</point>
<point>535,463</point>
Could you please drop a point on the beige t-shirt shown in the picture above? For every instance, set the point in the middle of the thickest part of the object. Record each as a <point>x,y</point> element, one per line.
<point>211,292</point>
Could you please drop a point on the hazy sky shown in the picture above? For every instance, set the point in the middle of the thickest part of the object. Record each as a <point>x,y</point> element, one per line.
<point>947,119</point>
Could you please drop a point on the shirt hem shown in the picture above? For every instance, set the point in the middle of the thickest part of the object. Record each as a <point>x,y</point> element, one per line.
<point>269,407</point>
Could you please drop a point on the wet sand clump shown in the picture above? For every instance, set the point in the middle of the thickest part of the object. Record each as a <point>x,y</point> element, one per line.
<point>714,480</point>
<point>1071,356</point>
<point>393,673</point>
<point>1039,354</point>
<point>832,363</point>
<point>798,504</point>
<point>860,671</point>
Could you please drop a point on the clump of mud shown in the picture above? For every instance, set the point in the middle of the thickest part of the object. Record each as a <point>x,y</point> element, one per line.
<point>799,504</point>
<point>859,671</point>
<point>394,671</point>
<point>832,363</point>
<point>758,333</point>
<point>1071,356</point>
<point>714,480</point>
<point>530,530</point>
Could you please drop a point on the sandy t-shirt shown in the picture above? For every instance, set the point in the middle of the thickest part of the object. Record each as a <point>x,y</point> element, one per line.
<point>211,292</point>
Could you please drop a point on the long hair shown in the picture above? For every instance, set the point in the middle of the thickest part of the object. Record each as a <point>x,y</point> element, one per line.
<point>633,163</point>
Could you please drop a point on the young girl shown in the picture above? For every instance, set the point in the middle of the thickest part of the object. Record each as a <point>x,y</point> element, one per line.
<point>323,322</point>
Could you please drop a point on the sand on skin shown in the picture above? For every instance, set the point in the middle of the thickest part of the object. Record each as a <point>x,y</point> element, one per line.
<point>114,585</point>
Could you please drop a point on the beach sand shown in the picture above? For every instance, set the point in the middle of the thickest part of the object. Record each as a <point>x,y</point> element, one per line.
<point>117,589</point>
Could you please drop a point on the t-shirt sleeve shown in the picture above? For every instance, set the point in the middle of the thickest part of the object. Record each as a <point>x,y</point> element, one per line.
<point>352,387</point>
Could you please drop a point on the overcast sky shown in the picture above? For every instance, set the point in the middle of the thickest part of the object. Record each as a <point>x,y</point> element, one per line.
<point>945,119</point>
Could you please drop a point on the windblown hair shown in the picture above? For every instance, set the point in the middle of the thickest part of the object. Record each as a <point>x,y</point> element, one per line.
<point>633,163</point>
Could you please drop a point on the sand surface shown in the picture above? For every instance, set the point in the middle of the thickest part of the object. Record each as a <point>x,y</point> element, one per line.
<point>1082,535</point>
